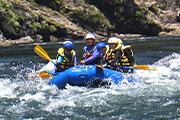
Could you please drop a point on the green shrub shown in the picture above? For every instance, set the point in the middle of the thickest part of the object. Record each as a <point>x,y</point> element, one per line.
<point>94,19</point>
<point>35,26</point>
<point>52,28</point>
<point>45,18</point>
<point>14,23</point>
<point>139,14</point>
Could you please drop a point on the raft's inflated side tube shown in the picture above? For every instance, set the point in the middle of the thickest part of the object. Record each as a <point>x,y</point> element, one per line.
<point>84,75</point>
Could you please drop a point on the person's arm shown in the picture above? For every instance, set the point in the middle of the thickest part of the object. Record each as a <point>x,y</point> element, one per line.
<point>117,59</point>
<point>75,61</point>
<point>59,60</point>
<point>84,54</point>
<point>118,56</point>
<point>93,57</point>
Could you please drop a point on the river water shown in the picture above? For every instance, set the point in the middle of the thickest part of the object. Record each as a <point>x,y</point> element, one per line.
<point>154,94</point>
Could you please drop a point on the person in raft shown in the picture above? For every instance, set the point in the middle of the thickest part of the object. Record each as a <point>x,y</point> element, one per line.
<point>90,48</point>
<point>119,55</point>
<point>66,57</point>
<point>97,55</point>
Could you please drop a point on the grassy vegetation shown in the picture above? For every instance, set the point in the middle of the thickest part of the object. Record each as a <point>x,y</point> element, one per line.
<point>9,20</point>
<point>92,20</point>
<point>14,18</point>
<point>18,19</point>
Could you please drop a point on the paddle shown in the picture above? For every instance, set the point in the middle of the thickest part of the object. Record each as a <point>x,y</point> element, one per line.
<point>143,67</point>
<point>43,54</point>
<point>44,75</point>
<point>99,66</point>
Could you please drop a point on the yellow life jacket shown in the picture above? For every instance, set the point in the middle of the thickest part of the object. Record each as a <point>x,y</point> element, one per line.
<point>111,55</point>
<point>67,62</point>
<point>124,59</point>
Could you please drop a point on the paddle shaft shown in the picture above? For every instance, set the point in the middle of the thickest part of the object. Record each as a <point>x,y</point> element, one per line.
<point>142,67</point>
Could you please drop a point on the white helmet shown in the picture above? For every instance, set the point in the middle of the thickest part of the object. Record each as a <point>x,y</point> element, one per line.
<point>115,40</point>
<point>90,36</point>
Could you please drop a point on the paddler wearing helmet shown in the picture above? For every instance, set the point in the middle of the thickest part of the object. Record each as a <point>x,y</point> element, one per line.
<point>66,57</point>
<point>118,54</point>
<point>90,47</point>
<point>97,55</point>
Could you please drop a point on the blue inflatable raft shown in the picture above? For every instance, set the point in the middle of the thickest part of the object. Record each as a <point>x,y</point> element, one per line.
<point>90,76</point>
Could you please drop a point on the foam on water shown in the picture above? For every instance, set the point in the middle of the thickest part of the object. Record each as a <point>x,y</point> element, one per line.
<point>167,70</point>
<point>20,95</point>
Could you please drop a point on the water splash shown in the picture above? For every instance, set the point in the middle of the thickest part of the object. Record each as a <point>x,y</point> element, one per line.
<point>167,70</point>
<point>32,98</point>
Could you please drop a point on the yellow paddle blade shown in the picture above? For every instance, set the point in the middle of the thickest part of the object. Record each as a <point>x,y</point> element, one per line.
<point>145,67</point>
<point>41,52</point>
<point>37,74</point>
<point>99,66</point>
<point>44,75</point>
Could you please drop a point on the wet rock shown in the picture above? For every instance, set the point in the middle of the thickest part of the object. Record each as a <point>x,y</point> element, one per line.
<point>24,40</point>
<point>38,38</point>
<point>53,38</point>
<point>4,42</point>
<point>174,30</point>
<point>124,36</point>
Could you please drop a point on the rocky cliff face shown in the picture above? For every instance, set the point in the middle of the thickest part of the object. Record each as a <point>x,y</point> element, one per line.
<point>55,20</point>
<point>21,18</point>
<point>147,17</point>
<point>164,13</point>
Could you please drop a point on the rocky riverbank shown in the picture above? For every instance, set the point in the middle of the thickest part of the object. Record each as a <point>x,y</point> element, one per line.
<point>29,21</point>
<point>25,40</point>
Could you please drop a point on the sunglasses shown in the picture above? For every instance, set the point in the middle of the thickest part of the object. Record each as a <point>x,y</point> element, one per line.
<point>89,39</point>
